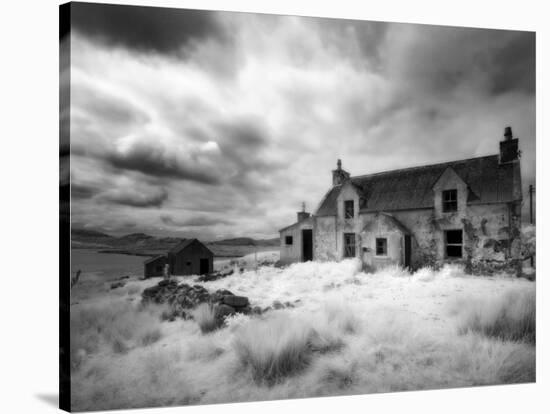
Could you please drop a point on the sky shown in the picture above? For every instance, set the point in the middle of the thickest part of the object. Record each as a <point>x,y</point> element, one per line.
<point>216,124</point>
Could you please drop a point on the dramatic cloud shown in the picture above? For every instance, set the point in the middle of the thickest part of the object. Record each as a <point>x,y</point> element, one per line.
<point>134,198</point>
<point>214,124</point>
<point>149,158</point>
<point>146,29</point>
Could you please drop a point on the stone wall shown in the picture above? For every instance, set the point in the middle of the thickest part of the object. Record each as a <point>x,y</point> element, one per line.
<point>325,246</point>
<point>293,253</point>
<point>491,237</point>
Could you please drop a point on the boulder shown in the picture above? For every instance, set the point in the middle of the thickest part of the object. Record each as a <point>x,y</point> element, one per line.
<point>246,310</point>
<point>221,311</point>
<point>219,294</point>
<point>209,277</point>
<point>181,298</point>
<point>236,301</point>
<point>115,285</point>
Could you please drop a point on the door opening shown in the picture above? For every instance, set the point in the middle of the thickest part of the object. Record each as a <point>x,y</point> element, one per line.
<point>307,245</point>
<point>204,266</point>
<point>407,251</point>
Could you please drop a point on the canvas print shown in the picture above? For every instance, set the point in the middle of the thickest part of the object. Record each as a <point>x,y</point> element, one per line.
<point>260,207</point>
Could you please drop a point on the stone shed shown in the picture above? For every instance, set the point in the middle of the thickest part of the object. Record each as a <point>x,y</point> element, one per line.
<point>154,266</point>
<point>190,257</point>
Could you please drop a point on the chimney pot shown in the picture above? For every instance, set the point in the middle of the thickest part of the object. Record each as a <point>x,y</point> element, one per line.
<point>508,133</point>
<point>339,164</point>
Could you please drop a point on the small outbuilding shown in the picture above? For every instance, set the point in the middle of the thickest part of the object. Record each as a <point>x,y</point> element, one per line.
<point>154,266</point>
<point>297,240</point>
<point>190,257</point>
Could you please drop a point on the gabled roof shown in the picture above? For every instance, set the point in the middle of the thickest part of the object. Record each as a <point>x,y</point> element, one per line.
<point>154,258</point>
<point>304,221</point>
<point>186,243</point>
<point>182,245</point>
<point>411,188</point>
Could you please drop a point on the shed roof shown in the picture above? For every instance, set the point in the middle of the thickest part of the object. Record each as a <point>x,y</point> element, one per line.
<point>411,188</point>
<point>184,244</point>
<point>154,258</point>
<point>307,220</point>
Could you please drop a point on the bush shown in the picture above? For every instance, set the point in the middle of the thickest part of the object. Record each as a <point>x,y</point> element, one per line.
<point>511,317</point>
<point>205,316</point>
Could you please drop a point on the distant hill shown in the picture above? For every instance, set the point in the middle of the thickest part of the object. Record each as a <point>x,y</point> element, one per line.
<point>247,241</point>
<point>84,233</point>
<point>145,244</point>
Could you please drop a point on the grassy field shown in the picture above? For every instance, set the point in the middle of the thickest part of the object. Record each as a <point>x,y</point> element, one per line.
<point>347,332</point>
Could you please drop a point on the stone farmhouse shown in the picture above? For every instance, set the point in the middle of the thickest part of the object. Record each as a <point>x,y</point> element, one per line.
<point>465,211</point>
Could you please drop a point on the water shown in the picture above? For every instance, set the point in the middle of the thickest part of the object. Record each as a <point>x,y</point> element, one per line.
<point>107,265</point>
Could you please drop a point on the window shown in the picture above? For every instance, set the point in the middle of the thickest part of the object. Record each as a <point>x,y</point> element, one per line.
<point>449,201</point>
<point>348,209</point>
<point>453,243</point>
<point>288,240</point>
<point>349,244</point>
<point>381,247</point>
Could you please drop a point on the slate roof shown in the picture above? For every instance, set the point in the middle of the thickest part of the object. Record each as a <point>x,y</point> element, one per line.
<point>304,221</point>
<point>411,188</point>
<point>184,244</point>
<point>154,258</point>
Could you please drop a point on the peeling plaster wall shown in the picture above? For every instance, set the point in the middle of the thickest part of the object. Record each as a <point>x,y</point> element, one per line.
<point>485,237</point>
<point>293,253</point>
<point>325,245</point>
<point>424,237</point>
<point>380,226</point>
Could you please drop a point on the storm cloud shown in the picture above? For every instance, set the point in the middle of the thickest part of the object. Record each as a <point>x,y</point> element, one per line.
<point>218,124</point>
<point>135,198</point>
<point>151,159</point>
<point>144,29</point>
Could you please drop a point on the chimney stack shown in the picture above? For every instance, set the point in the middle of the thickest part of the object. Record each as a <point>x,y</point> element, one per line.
<point>509,147</point>
<point>507,133</point>
<point>302,215</point>
<point>339,175</point>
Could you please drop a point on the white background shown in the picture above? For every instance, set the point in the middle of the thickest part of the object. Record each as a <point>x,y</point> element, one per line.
<point>29,204</point>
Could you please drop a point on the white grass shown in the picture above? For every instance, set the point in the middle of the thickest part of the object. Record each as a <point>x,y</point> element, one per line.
<point>348,333</point>
<point>512,316</point>
<point>205,317</point>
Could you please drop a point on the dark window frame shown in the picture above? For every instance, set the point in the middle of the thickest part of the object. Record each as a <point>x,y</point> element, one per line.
<point>449,200</point>
<point>349,245</point>
<point>381,246</point>
<point>349,209</point>
<point>289,240</point>
<point>454,245</point>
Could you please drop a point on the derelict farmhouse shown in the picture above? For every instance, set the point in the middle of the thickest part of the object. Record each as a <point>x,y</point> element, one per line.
<point>467,211</point>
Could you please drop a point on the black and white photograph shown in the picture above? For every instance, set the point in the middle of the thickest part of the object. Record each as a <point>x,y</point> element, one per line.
<point>261,207</point>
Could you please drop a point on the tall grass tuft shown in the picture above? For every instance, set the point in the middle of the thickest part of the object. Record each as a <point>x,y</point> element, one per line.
<point>282,345</point>
<point>512,317</point>
<point>274,348</point>
<point>205,316</point>
<point>118,326</point>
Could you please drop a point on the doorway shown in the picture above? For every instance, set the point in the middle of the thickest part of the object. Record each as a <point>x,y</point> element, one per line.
<point>204,266</point>
<point>407,251</point>
<point>307,245</point>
